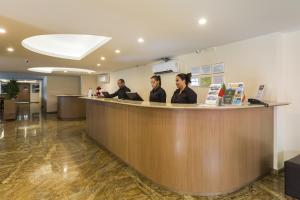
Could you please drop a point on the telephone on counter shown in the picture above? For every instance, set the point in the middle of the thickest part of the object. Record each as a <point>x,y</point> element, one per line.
<point>257,102</point>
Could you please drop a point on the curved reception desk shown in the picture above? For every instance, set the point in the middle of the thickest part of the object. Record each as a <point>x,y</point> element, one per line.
<point>192,149</point>
<point>70,107</point>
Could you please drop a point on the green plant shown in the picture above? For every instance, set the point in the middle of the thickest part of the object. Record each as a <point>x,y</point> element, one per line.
<point>12,89</point>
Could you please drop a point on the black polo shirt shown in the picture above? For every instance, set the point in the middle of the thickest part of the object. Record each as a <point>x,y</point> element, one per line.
<point>187,96</point>
<point>121,93</point>
<point>158,95</point>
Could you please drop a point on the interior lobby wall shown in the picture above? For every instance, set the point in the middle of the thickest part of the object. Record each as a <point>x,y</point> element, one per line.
<point>252,61</point>
<point>60,85</point>
<point>86,82</point>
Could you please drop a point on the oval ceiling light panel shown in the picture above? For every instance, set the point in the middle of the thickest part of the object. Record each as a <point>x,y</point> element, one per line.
<point>68,46</point>
<point>50,70</point>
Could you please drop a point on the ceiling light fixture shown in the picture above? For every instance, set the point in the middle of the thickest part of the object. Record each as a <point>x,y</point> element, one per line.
<point>117,51</point>
<point>141,40</point>
<point>2,30</point>
<point>68,46</point>
<point>103,58</point>
<point>10,49</point>
<point>49,70</point>
<point>98,65</point>
<point>202,21</point>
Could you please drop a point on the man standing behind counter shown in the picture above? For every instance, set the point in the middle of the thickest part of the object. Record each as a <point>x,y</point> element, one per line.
<point>121,92</point>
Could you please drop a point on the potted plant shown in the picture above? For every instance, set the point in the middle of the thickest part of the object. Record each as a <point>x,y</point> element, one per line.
<point>10,108</point>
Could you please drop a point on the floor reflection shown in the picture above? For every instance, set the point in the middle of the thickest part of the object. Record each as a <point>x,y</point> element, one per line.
<point>29,111</point>
<point>43,158</point>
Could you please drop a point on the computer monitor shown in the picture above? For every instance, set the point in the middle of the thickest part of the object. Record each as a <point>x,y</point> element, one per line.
<point>134,96</point>
<point>106,94</point>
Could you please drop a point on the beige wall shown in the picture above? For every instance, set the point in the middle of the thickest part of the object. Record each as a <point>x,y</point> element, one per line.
<point>290,84</point>
<point>272,60</point>
<point>58,85</point>
<point>86,82</point>
<point>252,61</point>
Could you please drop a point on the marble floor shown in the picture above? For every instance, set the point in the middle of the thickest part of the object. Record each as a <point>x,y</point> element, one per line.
<point>43,158</point>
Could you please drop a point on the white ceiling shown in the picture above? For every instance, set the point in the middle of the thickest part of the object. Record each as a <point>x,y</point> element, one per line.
<point>169,27</point>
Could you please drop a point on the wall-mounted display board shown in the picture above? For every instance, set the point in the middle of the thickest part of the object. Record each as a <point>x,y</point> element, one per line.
<point>103,78</point>
<point>218,79</point>
<point>218,68</point>
<point>206,75</point>
<point>195,81</point>
<point>203,70</point>
<point>205,81</point>
<point>35,88</point>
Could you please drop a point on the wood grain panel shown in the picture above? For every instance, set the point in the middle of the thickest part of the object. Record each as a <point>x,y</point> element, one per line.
<point>192,151</point>
<point>70,107</point>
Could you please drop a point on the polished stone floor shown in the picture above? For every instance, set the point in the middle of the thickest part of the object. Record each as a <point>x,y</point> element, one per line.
<point>43,158</point>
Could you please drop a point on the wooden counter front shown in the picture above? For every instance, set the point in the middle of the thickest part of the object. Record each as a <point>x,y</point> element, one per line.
<point>70,107</point>
<point>201,151</point>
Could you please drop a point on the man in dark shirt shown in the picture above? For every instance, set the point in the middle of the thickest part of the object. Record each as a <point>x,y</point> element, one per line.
<point>121,92</point>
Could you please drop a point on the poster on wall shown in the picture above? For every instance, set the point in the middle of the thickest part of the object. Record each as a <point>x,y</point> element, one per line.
<point>205,81</point>
<point>203,70</point>
<point>219,79</point>
<point>35,88</point>
<point>218,68</point>
<point>195,81</point>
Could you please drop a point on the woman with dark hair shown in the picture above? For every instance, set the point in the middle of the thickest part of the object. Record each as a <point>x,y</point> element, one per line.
<point>157,94</point>
<point>184,94</point>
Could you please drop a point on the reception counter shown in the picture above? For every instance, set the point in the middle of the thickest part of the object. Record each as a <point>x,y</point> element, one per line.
<point>70,107</point>
<point>193,149</point>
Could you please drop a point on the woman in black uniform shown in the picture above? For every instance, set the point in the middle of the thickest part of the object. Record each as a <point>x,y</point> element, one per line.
<point>157,94</point>
<point>184,94</point>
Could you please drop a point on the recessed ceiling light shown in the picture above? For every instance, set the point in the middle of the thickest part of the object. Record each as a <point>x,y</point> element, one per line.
<point>102,58</point>
<point>49,70</point>
<point>2,30</point>
<point>141,40</point>
<point>117,51</point>
<point>10,49</point>
<point>98,65</point>
<point>68,46</point>
<point>202,21</point>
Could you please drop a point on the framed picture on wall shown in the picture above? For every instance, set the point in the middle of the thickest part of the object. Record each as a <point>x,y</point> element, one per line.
<point>35,88</point>
<point>218,79</point>
<point>195,81</point>
<point>205,81</point>
<point>203,70</point>
<point>218,68</point>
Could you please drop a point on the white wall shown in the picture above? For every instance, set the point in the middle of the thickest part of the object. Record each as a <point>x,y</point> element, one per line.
<point>271,60</point>
<point>60,85</point>
<point>86,82</point>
